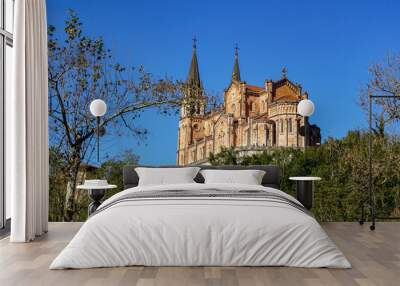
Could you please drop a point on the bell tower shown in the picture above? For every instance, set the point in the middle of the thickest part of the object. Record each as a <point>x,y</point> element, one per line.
<point>192,110</point>
<point>193,103</point>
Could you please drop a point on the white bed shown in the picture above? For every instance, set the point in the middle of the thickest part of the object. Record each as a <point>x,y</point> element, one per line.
<point>202,231</point>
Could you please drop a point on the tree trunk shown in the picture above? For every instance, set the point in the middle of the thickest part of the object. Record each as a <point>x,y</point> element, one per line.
<point>70,203</point>
<point>69,208</point>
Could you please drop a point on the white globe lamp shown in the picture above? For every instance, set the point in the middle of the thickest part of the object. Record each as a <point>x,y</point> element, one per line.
<point>305,108</point>
<point>98,107</point>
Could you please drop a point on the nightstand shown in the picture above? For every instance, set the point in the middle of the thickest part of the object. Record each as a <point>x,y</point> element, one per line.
<point>305,190</point>
<point>96,193</point>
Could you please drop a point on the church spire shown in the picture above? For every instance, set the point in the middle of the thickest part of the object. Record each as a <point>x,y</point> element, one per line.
<point>236,71</point>
<point>194,103</point>
<point>194,74</point>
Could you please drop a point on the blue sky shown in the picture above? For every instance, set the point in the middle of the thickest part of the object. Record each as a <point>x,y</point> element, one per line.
<point>326,46</point>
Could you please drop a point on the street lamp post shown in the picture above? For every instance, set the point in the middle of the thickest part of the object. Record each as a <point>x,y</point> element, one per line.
<point>371,189</point>
<point>98,108</point>
<point>306,108</point>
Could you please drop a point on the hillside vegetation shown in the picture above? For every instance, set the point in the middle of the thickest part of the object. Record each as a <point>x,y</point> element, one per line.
<point>343,166</point>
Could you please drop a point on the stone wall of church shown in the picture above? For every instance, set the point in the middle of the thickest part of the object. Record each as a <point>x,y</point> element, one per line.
<point>287,121</point>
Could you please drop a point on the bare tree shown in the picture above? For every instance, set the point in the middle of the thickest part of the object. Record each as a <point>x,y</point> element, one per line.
<point>384,80</point>
<point>82,69</point>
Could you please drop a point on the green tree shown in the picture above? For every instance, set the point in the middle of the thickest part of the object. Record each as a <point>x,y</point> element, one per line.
<point>111,170</point>
<point>57,182</point>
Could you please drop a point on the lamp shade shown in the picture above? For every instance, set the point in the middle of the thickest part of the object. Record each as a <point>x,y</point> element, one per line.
<point>305,107</point>
<point>98,107</point>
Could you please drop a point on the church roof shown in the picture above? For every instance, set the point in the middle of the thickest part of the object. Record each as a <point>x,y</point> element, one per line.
<point>254,88</point>
<point>284,89</point>
<point>287,97</point>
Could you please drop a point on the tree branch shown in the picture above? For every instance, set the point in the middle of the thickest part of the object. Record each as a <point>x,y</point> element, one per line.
<point>64,115</point>
<point>127,109</point>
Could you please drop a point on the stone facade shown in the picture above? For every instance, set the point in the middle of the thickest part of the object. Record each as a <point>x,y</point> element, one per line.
<point>251,118</point>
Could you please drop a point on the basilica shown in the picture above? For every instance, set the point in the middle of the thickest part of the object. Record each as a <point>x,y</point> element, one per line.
<point>251,118</point>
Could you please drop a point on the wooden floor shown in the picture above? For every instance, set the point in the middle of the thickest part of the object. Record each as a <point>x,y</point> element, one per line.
<point>375,257</point>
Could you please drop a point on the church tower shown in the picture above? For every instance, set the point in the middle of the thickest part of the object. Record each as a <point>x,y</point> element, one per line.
<point>192,113</point>
<point>234,95</point>
<point>194,100</point>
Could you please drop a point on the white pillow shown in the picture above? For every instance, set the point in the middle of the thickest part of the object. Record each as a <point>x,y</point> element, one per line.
<point>166,176</point>
<point>248,177</point>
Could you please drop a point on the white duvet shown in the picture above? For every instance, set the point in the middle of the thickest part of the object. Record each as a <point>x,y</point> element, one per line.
<point>200,231</point>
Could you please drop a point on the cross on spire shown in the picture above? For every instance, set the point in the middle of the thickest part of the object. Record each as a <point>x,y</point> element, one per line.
<point>194,42</point>
<point>236,50</point>
<point>284,72</point>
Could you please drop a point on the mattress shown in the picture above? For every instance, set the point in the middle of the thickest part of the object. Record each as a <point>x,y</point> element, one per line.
<point>201,225</point>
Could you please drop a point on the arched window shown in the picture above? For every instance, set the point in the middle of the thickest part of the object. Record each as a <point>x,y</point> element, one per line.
<point>233,108</point>
<point>266,136</point>
<point>290,128</point>
<point>222,137</point>
<point>281,123</point>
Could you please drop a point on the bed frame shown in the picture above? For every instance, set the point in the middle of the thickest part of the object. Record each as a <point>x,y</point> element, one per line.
<point>271,178</point>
